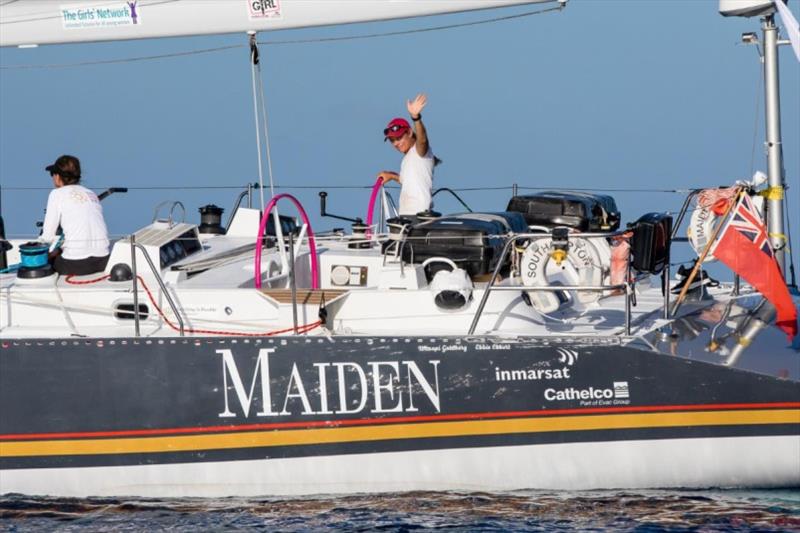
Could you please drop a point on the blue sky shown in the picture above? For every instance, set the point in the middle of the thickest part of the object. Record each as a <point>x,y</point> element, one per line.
<point>609,94</point>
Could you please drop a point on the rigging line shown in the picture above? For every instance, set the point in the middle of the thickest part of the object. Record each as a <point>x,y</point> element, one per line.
<point>607,189</point>
<point>326,186</point>
<point>123,60</point>
<point>500,188</point>
<point>757,118</point>
<point>207,187</point>
<point>789,235</point>
<point>265,122</point>
<point>253,64</point>
<point>153,188</point>
<point>277,43</point>
<point>560,7</point>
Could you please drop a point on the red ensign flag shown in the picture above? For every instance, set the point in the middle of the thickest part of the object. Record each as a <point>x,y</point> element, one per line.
<point>743,245</point>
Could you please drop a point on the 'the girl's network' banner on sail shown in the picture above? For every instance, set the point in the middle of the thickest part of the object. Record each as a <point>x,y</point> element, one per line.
<point>80,17</point>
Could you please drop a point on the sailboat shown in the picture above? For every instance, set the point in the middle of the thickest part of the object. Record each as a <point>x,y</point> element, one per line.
<point>512,349</point>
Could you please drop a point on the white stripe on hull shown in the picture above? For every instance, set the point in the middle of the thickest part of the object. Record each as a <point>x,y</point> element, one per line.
<point>714,462</point>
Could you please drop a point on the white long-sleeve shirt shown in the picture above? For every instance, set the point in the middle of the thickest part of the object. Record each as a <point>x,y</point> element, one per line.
<point>78,211</point>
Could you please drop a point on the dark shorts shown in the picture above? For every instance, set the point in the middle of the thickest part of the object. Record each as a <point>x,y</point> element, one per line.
<point>80,267</point>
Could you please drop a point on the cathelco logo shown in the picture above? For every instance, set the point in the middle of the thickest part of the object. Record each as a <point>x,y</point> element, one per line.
<point>621,389</point>
<point>618,394</point>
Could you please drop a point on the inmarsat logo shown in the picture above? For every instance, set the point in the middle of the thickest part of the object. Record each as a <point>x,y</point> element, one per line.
<point>566,356</point>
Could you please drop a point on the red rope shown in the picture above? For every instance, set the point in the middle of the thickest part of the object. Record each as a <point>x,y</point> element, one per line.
<point>305,328</point>
<point>69,280</point>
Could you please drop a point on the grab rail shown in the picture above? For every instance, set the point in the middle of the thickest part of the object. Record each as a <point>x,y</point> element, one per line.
<point>134,246</point>
<point>627,286</point>
<point>172,206</point>
<point>248,192</point>
<point>682,213</point>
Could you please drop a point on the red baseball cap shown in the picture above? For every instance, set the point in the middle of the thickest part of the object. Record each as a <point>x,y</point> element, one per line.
<point>396,128</point>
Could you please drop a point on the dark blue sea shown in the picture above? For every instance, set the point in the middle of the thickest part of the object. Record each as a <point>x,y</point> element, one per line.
<point>701,511</point>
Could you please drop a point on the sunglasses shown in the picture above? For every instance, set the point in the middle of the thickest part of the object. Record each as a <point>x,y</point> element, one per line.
<point>394,129</point>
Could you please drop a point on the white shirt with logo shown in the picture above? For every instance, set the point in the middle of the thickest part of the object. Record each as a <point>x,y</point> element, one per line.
<point>78,211</point>
<point>416,178</point>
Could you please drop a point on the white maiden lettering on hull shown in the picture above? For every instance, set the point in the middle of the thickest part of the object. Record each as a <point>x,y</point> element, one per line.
<point>378,388</point>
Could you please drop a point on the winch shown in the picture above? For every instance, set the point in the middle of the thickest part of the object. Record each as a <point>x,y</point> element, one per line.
<point>33,261</point>
<point>211,220</point>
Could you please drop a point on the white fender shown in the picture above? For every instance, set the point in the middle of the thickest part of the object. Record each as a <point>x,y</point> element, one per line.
<point>583,266</point>
<point>702,224</point>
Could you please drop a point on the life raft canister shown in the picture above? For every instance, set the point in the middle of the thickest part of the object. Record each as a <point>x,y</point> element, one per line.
<point>583,265</point>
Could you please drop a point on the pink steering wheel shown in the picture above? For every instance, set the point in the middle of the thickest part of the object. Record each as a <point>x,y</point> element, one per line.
<point>311,243</point>
<point>371,207</point>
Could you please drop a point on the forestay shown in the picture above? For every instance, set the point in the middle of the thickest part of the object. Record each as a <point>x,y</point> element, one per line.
<point>33,22</point>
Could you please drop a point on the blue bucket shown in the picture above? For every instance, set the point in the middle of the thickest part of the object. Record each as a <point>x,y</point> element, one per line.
<point>33,254</point>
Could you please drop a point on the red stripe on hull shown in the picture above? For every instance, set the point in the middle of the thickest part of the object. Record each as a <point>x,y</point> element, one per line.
<point>396,420</point>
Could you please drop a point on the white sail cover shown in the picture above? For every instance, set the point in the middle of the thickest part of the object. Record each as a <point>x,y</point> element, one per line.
<point>33,22</point>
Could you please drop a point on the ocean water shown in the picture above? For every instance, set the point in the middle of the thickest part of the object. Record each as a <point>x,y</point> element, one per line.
<point>702,511</point>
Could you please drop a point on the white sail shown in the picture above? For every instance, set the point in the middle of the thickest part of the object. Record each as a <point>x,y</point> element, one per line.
<point>33,22</point>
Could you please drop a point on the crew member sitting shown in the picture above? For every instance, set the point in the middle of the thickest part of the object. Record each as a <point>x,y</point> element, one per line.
<point>77,210</point>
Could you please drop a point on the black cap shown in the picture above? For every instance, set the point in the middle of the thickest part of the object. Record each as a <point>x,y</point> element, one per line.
<point>66,166</point>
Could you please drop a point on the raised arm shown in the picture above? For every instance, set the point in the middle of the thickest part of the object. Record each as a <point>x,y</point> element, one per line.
<point>415,107</point>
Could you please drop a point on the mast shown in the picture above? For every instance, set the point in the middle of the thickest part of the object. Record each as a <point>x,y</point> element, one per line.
<point>773,141</point>
<point>775,193</point>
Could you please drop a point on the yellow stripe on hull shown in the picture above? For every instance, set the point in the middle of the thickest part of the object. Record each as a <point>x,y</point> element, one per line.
<point>298,437</point>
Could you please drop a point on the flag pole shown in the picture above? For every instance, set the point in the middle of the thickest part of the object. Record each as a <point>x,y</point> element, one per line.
<point>706,250</point>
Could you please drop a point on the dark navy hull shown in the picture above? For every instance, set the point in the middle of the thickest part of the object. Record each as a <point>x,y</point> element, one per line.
<point>81,404</point>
